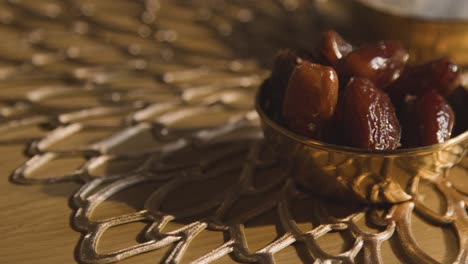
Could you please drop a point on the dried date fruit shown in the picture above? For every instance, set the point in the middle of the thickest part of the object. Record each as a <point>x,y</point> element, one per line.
<point>429,121</point>
<point>284,63</point>
<point>458,100</point>
<point>369,117</point>
<point>333,47</point>
<point>406,112</point>
<point>441,75</point>
<point>334,130</point>
<point>380,63</point>
<point>310,99</point>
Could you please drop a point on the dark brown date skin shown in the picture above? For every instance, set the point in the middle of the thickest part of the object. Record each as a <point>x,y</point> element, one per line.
<point>334,130</point>
<point>458,100</point>
<point>441,75</point>
<point>283,65</point>
<point>381,63</point>
<point>310,99</point>
<point>369,119</point>
<point>429,121</point>
<point>333,47</point>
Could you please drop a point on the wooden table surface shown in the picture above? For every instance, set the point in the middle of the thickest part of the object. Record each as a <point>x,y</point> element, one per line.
<point>36,220</point>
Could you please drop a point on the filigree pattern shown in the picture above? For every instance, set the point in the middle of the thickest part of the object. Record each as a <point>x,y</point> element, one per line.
<point>161,92</point>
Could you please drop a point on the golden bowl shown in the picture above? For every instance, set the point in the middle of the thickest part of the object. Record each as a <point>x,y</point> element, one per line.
<point>344,173</point>
<point>425,37</point>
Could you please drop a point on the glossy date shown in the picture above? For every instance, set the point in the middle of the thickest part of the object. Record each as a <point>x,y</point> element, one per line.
<point>310,99</point>
<point>369,117</point>
<point>381,63</point>
<point>429,120</point>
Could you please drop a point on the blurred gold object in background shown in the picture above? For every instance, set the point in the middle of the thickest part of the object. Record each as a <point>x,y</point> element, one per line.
<point>427,36</point>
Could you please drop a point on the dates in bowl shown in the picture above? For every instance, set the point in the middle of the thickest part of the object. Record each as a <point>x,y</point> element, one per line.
<point>360,123</point>
<point>366,96</point>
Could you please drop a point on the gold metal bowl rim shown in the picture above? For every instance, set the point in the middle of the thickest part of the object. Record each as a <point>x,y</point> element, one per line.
<point>350,150</point>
